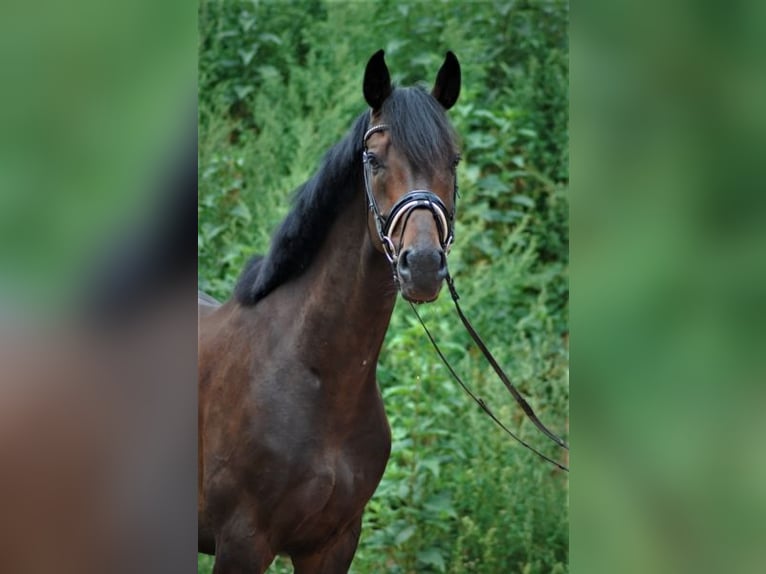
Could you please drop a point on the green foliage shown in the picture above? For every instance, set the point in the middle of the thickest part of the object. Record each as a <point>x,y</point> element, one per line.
<point>279,84</point>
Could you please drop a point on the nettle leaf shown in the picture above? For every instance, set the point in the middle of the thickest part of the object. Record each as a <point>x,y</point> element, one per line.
<point>506,216</point>
<point>210,231</point>
<point>480,140</point>
<point>405,534</point>
<point>268,72</point>
<point>441,503</point>
<point>246,21</point>
<point>394,45</point>
<point>247,55</point>
<point>523,200</point>
<point>241,211</point>
<point>492,186</point>
<point>471,173</point>
<point>431,464</point>
<point>242,91</point>
<point>432,557</point>
<point>227,34</point>
<point>273,38</point>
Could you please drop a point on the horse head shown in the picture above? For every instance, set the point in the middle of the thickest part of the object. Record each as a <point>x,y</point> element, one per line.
<point>410,160</point>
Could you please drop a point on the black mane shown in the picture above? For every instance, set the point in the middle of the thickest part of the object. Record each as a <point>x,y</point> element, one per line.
<point>416,121</point>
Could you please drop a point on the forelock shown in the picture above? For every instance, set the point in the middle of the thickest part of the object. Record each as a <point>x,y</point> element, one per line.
<point>419,129</point>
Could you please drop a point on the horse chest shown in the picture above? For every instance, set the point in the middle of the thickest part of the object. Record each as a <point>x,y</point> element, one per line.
<point>332,484</point>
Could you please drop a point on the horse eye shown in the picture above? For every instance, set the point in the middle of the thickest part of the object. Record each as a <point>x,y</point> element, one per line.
<point>375,163</point>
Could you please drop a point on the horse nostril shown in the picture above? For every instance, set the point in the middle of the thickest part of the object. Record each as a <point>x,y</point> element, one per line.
<point>422,263</point>
<point>404,264</point>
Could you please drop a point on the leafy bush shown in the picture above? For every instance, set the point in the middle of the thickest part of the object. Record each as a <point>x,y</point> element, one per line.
<point>279,84</point>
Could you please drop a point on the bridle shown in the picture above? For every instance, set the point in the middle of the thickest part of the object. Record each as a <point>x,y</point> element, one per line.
<point>445,223</point>
<point>400,212</point>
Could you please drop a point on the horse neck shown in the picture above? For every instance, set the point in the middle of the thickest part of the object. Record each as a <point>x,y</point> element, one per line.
<point>346,302</point>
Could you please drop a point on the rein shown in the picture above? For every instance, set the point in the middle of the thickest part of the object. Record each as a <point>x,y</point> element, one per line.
<point>520,400</point>
<point>478,400</point>
<point>500,373</point>
<point>445,220</point>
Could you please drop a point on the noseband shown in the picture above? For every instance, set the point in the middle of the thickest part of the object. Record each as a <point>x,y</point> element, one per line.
<point>403,208</point>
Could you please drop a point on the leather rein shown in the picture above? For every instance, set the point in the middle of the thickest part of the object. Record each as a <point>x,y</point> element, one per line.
<point>445,224</point>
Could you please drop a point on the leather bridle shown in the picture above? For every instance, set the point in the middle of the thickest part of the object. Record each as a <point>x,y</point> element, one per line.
<point>400,212</point>
<point>445,222</point>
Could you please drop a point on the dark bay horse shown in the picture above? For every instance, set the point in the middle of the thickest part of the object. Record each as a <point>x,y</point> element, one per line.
<point>293,436</point>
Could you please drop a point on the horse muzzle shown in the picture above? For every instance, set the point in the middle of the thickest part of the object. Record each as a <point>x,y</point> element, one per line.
<point>421,272</point>
<point>420,258</point>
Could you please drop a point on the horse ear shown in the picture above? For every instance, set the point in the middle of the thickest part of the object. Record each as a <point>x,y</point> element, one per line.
<point>377,81</point>
<point>447,87</point>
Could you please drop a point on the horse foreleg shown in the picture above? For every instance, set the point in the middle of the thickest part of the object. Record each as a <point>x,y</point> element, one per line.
<point>240,549</point>
<point>334,559</point>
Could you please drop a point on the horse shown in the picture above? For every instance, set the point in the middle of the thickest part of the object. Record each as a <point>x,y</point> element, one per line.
<point>293,436</point>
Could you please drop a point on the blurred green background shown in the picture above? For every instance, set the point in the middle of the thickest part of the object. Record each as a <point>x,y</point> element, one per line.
<point>668,140</point>
<point>96,99</point>
<point>279,84</point>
